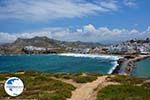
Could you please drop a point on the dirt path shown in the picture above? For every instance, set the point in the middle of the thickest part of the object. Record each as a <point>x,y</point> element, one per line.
<point>87,91</point>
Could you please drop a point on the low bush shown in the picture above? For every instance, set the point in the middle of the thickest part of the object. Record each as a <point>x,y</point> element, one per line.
<point>84,79</point>
<point>126,79</point>
<point>123,92</point>
<point>40,86</point>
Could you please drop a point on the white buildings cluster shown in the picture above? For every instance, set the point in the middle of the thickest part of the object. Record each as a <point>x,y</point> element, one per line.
<point>130,48</point>
<point>78,50</point>
<point>33,48</point>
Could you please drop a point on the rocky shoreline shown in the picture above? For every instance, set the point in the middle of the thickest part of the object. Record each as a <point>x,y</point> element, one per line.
<point>127,64</point>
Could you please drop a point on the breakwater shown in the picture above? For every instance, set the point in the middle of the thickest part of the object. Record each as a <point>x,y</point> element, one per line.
<point>126,64</point>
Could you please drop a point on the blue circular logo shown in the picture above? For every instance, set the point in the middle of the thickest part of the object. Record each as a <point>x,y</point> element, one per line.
<point>14,86</point>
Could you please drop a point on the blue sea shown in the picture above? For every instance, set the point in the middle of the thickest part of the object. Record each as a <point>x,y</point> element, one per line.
<point>59,63</point>
<point>142,68</point>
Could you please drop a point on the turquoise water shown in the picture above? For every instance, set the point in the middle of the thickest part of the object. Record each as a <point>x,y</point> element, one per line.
<point>57,63</point>
<point>142,68</point>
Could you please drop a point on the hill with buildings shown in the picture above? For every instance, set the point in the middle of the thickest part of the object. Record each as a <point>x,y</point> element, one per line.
<point>134,46</point>
<point>45,45</point>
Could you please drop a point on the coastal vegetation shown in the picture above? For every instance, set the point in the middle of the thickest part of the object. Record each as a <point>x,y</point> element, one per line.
<point>124,92</point>
<point>129,88</point>
<point>60,86</point>
<point>126,79</point>
<point>39,86</point>
<point>84,79</point>
<point>78,77</point>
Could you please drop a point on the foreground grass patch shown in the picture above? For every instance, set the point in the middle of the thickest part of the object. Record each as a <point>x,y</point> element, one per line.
<point>126,79</point>
<point>123,92</point>
<point>39,86</point>
<point>84,79</point>
<point>78,77</point>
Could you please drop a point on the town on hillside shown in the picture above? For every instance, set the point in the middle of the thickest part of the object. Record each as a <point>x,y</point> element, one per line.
<point>44,45</point>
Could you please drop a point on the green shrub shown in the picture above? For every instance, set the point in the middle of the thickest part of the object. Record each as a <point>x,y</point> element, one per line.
<point>40,86</point>
<point>123,92</point>
<point>84,79</point>
<point>51,96</point>
<point>126,79</point>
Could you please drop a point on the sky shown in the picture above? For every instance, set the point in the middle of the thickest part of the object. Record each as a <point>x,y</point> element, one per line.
<point>104,21</point>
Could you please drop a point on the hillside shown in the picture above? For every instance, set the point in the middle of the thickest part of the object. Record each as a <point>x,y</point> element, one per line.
<point>49,45</point>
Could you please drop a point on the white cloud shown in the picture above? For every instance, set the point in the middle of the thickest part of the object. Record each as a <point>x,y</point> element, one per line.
<point>79,30</point>
<point>87,33</point>
<point>89,28</point>
<point>7,38</point>
<point>130,3</point>
<point>148,29</point>
<point>110,4</point>
<point>47,9</point>
<point>53,9</point>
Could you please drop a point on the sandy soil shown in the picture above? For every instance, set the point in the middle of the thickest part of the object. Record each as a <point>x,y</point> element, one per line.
<point>88,91</point>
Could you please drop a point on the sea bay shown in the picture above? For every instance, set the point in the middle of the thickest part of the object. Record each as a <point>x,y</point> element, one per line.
<point>58,63</point>
<point>142,68</point>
